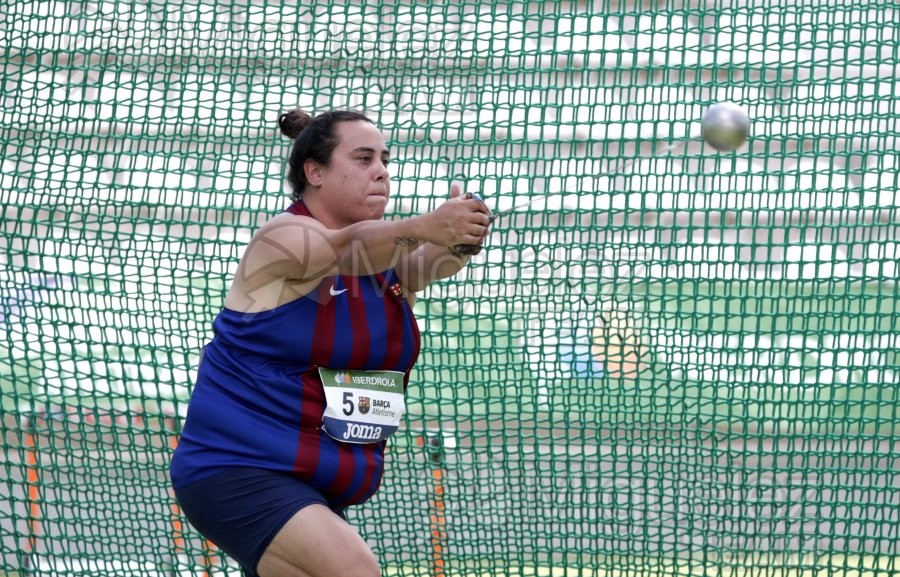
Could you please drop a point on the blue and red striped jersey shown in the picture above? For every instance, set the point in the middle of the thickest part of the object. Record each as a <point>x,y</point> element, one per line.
<point>258,399</point>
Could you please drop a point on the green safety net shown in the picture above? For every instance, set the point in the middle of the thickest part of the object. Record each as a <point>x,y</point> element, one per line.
<point>675,362</point>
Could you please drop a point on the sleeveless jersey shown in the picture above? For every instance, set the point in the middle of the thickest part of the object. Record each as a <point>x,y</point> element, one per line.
<point>258,399</point>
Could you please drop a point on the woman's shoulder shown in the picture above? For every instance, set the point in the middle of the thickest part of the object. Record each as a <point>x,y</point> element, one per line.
<point>286,223</point>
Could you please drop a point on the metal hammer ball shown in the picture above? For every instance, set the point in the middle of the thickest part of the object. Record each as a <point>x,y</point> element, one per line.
<point>725,126</point>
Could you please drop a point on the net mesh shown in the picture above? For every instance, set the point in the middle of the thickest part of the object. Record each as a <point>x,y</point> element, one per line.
<point>679,362</point>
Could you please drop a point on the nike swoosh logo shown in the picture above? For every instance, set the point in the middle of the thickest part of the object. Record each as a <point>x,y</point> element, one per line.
<point>336,292</point>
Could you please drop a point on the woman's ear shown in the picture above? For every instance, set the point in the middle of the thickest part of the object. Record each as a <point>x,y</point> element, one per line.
<point>314,172</point>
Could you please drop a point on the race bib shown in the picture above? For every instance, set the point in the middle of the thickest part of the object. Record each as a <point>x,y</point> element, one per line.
<point>362,406</point>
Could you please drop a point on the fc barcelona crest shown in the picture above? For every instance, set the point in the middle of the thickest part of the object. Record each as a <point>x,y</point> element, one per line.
<point>364,404</point>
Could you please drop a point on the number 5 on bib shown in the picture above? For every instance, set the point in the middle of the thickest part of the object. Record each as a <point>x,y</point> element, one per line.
<point>362,406</point>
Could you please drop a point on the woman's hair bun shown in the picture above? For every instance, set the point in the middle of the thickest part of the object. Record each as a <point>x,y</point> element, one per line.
<point>293,122</point>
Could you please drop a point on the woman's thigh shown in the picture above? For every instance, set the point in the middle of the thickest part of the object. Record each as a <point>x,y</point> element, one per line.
<point>316,542</point>
<point>242,510</point>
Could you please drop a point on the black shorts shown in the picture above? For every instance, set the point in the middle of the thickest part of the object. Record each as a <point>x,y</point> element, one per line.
<point>242,509</point>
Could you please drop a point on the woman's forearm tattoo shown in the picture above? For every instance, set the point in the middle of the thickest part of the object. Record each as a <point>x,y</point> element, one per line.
<point>405,240</point>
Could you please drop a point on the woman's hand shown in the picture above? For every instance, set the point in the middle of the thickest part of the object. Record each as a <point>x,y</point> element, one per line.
<point>461,220</point>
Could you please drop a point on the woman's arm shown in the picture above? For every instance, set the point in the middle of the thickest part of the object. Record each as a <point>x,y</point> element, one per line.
<point>427,264</point>
<point>294,253</point>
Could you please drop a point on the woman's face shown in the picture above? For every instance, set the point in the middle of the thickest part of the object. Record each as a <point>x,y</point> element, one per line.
<point>356,182</point>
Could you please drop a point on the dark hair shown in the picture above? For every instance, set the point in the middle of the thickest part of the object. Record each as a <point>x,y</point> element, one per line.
<point>314,139</point>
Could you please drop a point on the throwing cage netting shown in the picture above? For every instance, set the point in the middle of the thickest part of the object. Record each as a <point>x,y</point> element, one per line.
<point>681,362</point>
